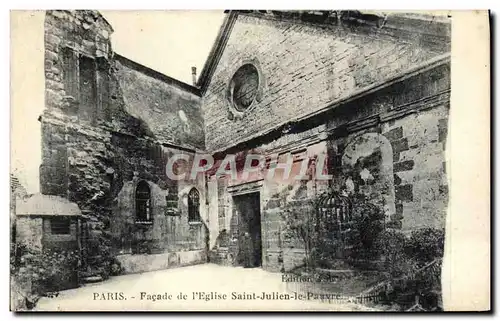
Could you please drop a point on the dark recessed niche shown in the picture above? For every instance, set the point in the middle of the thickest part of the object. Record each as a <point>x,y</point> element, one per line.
<point>244,86</point>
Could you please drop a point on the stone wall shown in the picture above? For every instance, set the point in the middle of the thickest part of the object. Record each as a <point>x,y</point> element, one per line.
<point>152,262</point>
<point>388,145</point>
<point>67,242</point>
<point>326,64</point>
<point>109,123</point>
<point>170,229</point>
<point>29,231</point>
<point>420,180</point>
<point>409,120</point>
<point>170,109</point>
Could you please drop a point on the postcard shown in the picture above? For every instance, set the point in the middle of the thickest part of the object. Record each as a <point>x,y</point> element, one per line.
<point>250,160</point>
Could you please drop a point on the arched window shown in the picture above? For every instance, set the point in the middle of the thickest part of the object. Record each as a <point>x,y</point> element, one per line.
<point>143,203</point>
<point>194,205</point>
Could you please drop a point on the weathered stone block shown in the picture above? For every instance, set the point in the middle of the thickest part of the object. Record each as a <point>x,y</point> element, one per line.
<point>396,156</point>
<point>397,224</point>
<point>442,129</point>
<point>54,85</point>
<point>400,145</point>
<point>50,55</point>
<point>443,190</point>
<point>397,180</point>
<point>51,38</point>
<point>404,166</point>
<point>399,209</point>
<point>53,189</point>
<point>394,134</point>
<point>53,98</point>
<point>273,203</point>
<point>404,193</point>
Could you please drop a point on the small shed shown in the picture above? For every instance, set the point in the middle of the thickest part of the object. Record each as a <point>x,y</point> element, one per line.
<point>50,225</point>
<point>48,221</point>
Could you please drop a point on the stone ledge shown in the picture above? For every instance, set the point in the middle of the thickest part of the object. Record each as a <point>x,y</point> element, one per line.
<point>137,263</point>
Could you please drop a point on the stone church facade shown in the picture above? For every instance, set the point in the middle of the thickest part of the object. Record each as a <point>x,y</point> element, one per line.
<point>368,93</point>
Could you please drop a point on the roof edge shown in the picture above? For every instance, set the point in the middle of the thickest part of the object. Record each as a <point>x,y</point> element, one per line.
<point>157,75</point>
<point>216,51</point>
<point>46,205</point>
<point>373,19</point>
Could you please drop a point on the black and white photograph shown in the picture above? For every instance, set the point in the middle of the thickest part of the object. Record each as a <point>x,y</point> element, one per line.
<point>232,160</point>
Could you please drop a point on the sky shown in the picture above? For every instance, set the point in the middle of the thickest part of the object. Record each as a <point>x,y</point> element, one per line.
<point>170,42</point>
<point>27,96</point>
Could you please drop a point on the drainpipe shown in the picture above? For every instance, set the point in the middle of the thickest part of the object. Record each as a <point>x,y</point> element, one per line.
<point>193,74</point>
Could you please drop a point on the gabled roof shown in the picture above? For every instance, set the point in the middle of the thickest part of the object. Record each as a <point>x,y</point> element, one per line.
<point>216,51</point>
<point>156,74</point>
<point>437,27</point>
<point>46,205</point>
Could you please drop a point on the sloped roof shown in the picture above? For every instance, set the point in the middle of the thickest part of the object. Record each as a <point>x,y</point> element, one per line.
<point>46,205</point>
<point>433,26</point>
<point>168,107</point>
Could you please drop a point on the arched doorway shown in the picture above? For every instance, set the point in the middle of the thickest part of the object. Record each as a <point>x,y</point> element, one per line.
<point>367,168</point>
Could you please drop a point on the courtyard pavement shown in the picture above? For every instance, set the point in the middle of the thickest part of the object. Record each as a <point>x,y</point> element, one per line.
<point>206,287</point>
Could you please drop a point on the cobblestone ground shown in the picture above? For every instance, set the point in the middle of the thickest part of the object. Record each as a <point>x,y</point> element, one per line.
<point>203,287</point>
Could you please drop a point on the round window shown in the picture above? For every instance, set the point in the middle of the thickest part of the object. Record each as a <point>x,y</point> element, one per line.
<point>244,86</point>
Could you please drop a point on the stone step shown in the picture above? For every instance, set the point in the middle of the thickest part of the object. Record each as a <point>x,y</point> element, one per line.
<point>343,272</point>
<point>92,279</point>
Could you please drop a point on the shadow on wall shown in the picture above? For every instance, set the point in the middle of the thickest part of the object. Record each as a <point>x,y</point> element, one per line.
<point>171,112</point>
<point>367,166</point>
<point>119,115</point>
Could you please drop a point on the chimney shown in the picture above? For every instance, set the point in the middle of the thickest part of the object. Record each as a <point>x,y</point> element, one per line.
<point>193,73</point>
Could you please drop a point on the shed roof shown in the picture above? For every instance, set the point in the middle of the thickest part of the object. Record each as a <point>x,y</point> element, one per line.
<point>46,205</point>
